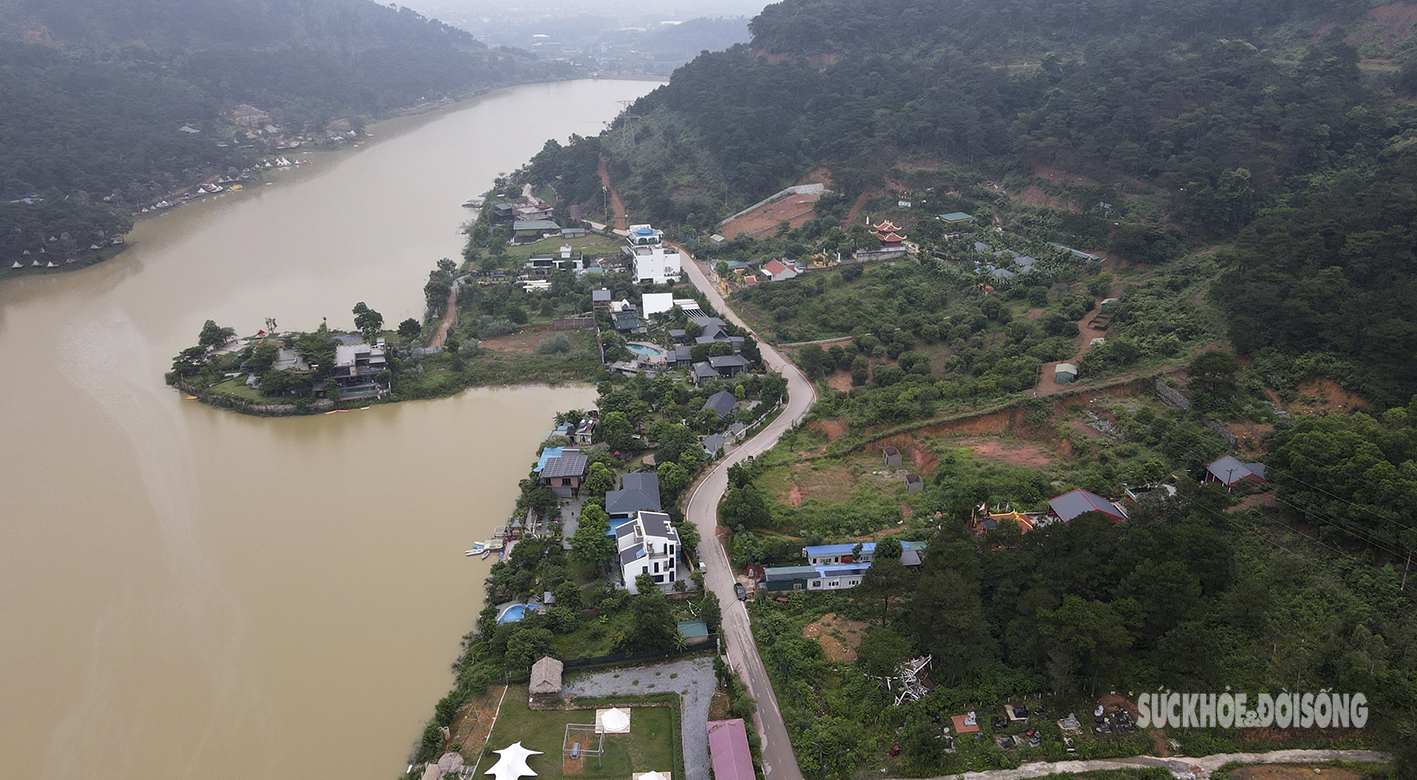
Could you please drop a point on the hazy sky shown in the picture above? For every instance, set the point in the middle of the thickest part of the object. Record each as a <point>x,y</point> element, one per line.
<point>628,11</point>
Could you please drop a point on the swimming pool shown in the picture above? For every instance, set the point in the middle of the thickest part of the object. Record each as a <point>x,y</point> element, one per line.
<point>643,349</point>
<point>512,614</point>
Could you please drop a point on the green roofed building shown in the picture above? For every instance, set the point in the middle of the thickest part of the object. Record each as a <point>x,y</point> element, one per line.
<point>955,218</point>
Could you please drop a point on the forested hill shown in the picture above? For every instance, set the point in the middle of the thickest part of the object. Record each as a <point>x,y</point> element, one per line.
<point>107,106</point>
<point>1187,120</point>
<point>841,26</point>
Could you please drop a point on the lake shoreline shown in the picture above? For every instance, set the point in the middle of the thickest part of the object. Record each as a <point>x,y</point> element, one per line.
<point>426,111</point>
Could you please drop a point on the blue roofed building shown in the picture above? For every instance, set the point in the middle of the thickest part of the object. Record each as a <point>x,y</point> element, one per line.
<point>833,566</point>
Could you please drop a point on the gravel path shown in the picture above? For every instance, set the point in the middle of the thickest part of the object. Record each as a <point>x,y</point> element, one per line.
<point>695,683</point>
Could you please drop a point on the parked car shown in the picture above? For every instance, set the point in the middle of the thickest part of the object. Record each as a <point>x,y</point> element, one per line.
<point>740,591</point>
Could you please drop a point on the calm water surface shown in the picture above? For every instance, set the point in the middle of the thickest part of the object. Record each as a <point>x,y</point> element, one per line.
<point>189,593</point>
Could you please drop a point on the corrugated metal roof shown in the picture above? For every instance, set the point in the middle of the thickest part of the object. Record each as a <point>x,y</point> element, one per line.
<point>728,749</point>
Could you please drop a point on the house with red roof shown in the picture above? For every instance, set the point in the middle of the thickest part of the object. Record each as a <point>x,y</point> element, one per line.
<point>777,271</point>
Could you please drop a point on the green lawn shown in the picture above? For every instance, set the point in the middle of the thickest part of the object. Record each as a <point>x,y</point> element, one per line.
<point>592,245</point>
<point>237,388</point>
<point>648,747</point>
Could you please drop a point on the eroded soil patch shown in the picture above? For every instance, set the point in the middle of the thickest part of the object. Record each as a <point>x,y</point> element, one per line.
<point>838,636</point>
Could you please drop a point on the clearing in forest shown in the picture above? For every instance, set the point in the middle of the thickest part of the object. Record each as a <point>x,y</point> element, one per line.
<point>838,636</point>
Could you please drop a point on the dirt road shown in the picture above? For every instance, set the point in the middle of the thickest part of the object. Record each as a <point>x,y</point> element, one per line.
<point>617,206</point>
<point>450,317</point>
<point>779,763</point>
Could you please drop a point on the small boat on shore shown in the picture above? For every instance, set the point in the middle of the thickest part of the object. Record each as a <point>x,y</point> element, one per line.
<point>478,549</point>
<point>486,553</point>
<point>473,203</point>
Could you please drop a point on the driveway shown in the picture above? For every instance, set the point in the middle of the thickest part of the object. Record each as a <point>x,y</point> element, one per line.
<point>692,679</point>
<point>779,763</point>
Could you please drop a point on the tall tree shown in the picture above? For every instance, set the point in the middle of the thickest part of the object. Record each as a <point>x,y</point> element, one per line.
<point>886,579</point>
<point>652,624</point>
<point>368,321</point>
<point>591,544</point>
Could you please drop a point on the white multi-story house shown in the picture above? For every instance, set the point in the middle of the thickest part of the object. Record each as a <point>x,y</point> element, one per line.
<point>654,262</point>
<point>647,545</point>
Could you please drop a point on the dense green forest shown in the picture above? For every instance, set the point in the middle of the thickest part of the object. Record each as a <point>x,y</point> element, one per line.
<point>1183,596</point>
<point>94,94</point>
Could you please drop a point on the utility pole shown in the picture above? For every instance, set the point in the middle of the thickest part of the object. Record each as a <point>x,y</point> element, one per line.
<point>628,139</point>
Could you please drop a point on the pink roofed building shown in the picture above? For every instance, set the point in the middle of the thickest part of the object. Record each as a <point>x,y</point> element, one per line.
<point>728,750</point>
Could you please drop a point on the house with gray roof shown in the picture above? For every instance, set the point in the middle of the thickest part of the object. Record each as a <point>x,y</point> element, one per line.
<point>703,372</point>
<point>1229,470</point>
<point>713,446</point>
<point>721,403</point>
<point>1069,506</point>
<point>638,492</point>
<point>729,366</point>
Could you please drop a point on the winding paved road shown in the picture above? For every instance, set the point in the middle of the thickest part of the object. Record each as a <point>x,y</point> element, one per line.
<point>702,510</point>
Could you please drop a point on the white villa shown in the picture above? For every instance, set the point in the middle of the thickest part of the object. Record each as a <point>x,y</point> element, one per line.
<point>647,545</point>
<point>654,262</point>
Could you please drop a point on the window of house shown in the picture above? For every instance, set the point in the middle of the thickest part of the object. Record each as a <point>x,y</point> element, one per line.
<point>671,575</point>
<point>853,583</point>
<point>797,586</point>
<point>659,578</point>
<point>656,567</point>
<point>833,584</point>
<point>815,584</point>
<point>644,570</point>
<point>566,481</point>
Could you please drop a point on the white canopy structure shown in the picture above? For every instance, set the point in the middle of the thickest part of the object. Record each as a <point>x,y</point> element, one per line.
<point>511,763</point>
<point>614,721</point>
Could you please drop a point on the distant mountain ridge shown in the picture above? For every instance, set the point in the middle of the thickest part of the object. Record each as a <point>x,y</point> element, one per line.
<point>108,106</point>
<point>196,25</point>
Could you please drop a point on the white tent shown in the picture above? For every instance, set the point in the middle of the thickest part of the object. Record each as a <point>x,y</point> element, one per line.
<point>613,721</point>
<point>511,763</point>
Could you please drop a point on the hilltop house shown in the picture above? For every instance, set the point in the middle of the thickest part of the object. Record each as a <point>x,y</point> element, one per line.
<point>1069,506</point>
<point>644,235</point>
<point>833,567</point>
<point>777,271</point>
<point>647,545</point>
<point>1229,470</point>
<point>985,521</point>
